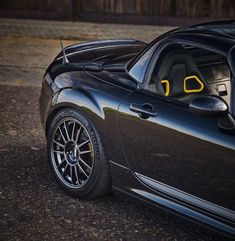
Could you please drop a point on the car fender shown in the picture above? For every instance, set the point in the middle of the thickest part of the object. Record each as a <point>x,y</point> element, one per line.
<point>80,100</point>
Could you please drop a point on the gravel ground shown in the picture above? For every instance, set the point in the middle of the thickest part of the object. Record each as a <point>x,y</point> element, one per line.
<point>32,207</point>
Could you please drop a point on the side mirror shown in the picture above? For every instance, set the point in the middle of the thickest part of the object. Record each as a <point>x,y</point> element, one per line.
<point>209,106</point>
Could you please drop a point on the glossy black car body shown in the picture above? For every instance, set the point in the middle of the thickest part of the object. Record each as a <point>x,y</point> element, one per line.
<point>160,151</point>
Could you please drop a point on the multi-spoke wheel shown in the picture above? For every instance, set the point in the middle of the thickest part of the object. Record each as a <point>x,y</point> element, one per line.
<point>72,153</point>
<point>76,155</point>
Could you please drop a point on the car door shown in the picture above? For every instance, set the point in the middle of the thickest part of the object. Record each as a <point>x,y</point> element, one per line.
<point>178,148</point>
<point>175,151</point>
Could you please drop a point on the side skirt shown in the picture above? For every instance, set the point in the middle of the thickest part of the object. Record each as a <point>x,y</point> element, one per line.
<point>172,200</point>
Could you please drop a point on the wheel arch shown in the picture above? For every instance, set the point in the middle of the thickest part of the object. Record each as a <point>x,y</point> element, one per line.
<point>79,100</point>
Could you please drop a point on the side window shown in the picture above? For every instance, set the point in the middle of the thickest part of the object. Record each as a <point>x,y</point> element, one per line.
<point>137,71</point>
<point>184,72</point>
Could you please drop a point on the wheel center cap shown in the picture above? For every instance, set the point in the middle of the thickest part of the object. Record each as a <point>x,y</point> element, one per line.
<point>71,152</point>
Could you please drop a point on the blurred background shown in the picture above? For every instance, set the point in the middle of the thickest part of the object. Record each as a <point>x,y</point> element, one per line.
<point>158,12</point>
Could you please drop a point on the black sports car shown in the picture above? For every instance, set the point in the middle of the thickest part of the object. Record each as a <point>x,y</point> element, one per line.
<point>154,121</point>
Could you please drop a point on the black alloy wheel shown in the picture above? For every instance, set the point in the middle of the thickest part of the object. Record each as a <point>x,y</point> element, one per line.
<point>76,155</point>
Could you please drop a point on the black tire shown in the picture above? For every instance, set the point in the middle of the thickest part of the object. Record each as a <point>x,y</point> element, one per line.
<point>98,182</point>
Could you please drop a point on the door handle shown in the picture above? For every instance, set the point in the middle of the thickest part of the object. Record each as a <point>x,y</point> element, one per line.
<point>144,110</point>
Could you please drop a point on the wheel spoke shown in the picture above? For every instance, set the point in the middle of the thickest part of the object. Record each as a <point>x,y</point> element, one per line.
<point>59,144</point>
<point>72,134</point>
<point>85,164</point>
<point>65,169</point>
<point>84,152</point>
<point>61,133</point>
<point>71,174</point>
<point>81,169</point>
<point>78,134</point>
<point>59,152</point>
<point>61,163</point>
<point>66,131</point>
<point>83,143</point>
<point>76,173</point>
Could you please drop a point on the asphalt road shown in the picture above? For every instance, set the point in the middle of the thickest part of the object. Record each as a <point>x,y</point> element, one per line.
<point>32,207</point>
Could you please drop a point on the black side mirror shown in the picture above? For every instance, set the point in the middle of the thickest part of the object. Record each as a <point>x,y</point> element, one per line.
<point>209,106</point>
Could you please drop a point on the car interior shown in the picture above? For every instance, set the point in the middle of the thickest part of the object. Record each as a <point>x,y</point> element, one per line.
<point>185,72</point>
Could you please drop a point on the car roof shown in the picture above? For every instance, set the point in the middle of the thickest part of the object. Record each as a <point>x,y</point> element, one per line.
<point>226,28</point>
<point>219,35</point>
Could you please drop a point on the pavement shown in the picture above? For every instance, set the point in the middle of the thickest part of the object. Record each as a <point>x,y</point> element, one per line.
<point>30,45</point>
<point>32,206</point>
<point>77,30</point>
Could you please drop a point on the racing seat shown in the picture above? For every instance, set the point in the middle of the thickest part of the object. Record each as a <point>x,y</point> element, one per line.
<point>175,66</point>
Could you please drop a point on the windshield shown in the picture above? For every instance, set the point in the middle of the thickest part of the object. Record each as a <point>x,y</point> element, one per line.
<point>138,65</point>
<point>139,68</point>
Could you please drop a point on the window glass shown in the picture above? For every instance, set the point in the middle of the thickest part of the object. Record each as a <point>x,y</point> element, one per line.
<point>139,68</point>
<point>183,72</point>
